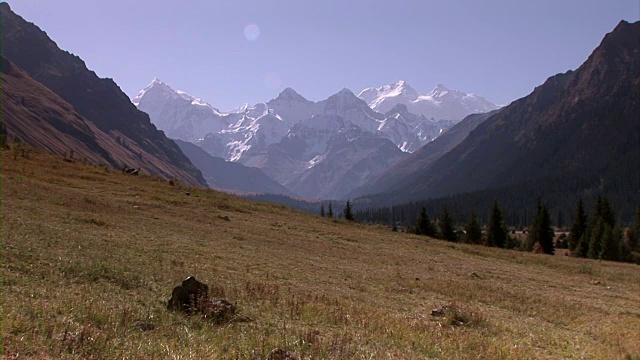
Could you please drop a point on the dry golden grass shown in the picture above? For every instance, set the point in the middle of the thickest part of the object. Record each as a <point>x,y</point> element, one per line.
<point>87,254</point>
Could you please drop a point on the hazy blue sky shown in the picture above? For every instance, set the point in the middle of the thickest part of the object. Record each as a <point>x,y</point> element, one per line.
<point>498,49</point>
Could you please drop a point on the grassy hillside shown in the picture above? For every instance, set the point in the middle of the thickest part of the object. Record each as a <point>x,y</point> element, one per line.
<point>88,254</point>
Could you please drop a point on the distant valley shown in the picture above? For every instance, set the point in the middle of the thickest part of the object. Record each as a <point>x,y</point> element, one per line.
<point>388,145</point>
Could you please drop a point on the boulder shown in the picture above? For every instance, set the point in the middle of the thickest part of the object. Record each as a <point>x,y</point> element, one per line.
<point>189,296</point>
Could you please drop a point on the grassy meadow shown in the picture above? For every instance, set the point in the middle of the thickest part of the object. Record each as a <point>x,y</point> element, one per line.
<point>88,255</point>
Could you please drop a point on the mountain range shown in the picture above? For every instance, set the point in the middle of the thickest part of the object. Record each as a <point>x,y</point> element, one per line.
<point>576,135</point>
<point>441,103</point>
<point>300,143</point>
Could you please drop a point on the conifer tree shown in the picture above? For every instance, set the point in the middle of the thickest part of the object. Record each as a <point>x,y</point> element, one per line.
<point>600,229</point>
<point>322,210</point>
<point>424,225</point>
<point>447,232</point>
<point>348,214</point>
<point>583,245</point>
<point>497,232</point>
<point>604,210</point>
<point>544,231</point>
<point>330,210</point>
<point>610,244</point>
<point>578,227</point>
<point>473,229</point>
<point>594,235</point>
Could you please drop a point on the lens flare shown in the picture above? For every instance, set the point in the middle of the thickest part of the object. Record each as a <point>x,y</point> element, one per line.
<point>251,32</point>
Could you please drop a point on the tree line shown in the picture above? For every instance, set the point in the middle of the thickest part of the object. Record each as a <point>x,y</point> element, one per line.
<point>560,192</point>
<point>347,213</point>
<point>597,236</point>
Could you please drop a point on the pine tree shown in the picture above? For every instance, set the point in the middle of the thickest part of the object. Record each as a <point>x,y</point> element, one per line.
<point>540,232</point>
<point>424,225</point>
<point>594,235</point>
<point>447,232</point>
<point>322,210</point>
<point>348,215</point>
<point>600,229</point>
<point>545,231</point>
<point>330,210</point>
<point>497,232</point>
<point>604,210</point>
<point>473,229</point>
<point>610,244</point>
<point>578,227</point>
<point>583,245</point>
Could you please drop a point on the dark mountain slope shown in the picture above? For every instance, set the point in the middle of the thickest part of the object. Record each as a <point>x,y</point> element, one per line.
<point>581,127</point>
<point>230,176</point>
<point>33,114</point>
<point>413,165</point>
<point>99,100</point>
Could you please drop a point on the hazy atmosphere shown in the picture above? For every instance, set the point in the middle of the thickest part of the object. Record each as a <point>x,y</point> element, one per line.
<point>294,180</point>
<point>232,52</point>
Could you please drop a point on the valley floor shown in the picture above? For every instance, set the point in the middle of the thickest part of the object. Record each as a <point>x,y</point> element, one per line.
<point>88,255</point>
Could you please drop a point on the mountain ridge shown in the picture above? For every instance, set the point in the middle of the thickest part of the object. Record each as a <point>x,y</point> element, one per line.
<point>288,135</point>
<point>566,125</point>
<point>99,100</point>
<point>441,103</point>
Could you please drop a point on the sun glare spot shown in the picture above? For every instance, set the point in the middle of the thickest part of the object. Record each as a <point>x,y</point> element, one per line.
<point>251,32</point>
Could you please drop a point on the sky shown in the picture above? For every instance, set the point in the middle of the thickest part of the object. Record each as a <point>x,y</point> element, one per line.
<point>229,52</point>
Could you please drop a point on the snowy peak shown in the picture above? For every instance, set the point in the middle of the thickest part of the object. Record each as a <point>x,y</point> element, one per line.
<point>240,109</point>
<point>441,103</point>
<point>441,87</point>
<point>178,114</point>
<point>155,85</point>
<point>342,102</point>
<point>399,89</point>
<point>158,88</point>
<point>290,95</point>
<point>346,93</point>
<point>345,98</point>
<point>402,88</point>
<point>441,91</point>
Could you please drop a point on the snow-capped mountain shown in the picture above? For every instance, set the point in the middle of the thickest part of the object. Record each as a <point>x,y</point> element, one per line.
<point>439,104</point>
<point>410,131</point>
<point>291,138</point>
<point>256,127</point>
<point>353,156</point>
<point>178,114</point>
<point>185,117</point>
<point>291,106</point>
